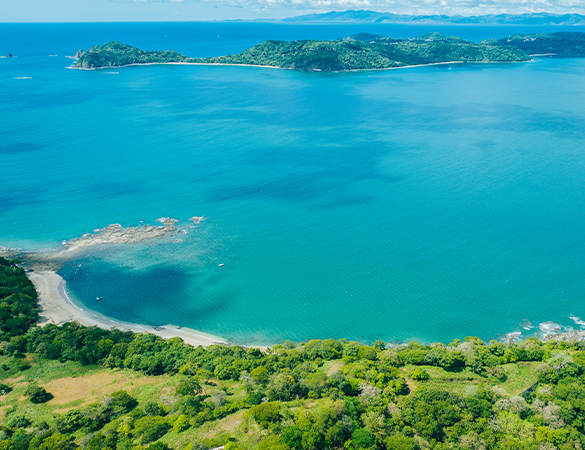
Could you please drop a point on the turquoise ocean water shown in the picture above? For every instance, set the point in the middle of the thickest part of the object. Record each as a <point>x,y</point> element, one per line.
<point>427,203</point>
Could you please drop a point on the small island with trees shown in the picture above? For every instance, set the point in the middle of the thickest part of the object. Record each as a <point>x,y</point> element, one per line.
<point>362,51</point>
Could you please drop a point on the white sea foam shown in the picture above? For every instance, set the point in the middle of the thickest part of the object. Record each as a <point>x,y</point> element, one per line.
<point>113,73</point>
<point>527,325</point>
<point>577,320</point>
<point>167,220</point>
<point>549,327</point>
<point>512,337</point>
<point>23,78</point>
<point>52,56</point>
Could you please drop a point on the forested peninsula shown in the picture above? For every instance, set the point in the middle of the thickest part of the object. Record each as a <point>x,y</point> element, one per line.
<point>357,52</point>
<point>362,51</point>
<point>68,387</point>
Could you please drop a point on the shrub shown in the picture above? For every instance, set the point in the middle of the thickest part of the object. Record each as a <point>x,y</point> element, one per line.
<point>254,398</point>
<point>58,441</point>
<point>197,446</point>
<point>123,401</point>
<point>22,364</point>
<point>547,375</point>
<point>419,374</point>
<point>150,428</point>
<point>259,374</point>
<point>18,421</point>
<point>158,446</point>
<point>190,387</point>
<point>283,387</point>
<point>233,446</point>
<point>37,394</point>
<point>266,413</point>
<point>273,443</point>
<point>154,409</point>
<point>181,423</point>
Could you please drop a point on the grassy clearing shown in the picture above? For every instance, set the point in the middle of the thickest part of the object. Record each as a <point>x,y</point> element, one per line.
<point>73,385</point>
<point>520,376</point>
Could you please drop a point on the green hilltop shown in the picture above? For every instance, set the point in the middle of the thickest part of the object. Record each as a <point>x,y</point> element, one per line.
<point>116,54</point>
<point>75,387</point>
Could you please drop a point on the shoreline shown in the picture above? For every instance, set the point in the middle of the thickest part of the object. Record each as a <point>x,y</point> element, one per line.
<point>286,68</point>
<point>56,307</point>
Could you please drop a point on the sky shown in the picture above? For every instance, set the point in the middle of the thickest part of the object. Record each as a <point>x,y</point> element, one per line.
<point>201,10</point>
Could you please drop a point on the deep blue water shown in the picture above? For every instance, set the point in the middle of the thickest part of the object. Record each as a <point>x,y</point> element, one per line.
<point>428,203</point>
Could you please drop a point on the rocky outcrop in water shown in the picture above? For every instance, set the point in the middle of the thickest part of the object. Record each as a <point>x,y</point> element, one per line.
<point>117,234</point>
<point>114,234</point>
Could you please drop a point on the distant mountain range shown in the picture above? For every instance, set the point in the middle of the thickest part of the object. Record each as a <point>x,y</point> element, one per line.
<point>385,17</point>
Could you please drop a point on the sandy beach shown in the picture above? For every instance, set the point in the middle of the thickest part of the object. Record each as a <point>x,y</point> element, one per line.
<point>282,68</point>
<point>56,307</point>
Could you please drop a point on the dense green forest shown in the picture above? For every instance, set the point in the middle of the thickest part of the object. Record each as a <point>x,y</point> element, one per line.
<point>72,386</point>
<point>362,51</point>
<point>380,53</point>
<point>561,43</point>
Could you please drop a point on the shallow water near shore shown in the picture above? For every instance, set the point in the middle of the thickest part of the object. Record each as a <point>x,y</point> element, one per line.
<point>428,203</point>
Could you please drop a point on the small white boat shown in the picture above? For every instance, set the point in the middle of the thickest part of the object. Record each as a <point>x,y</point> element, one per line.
<point>220,265</point>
